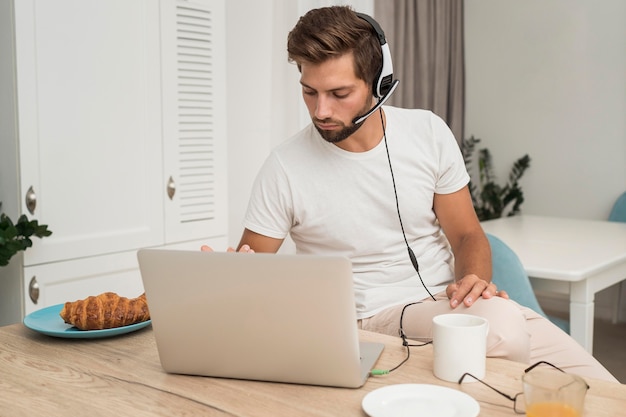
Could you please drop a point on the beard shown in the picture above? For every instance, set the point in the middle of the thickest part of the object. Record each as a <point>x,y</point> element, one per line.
<point>345,132</point>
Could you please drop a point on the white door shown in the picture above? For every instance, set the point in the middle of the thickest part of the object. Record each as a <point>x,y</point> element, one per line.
<point>194,119</point>
<point>90,124</point>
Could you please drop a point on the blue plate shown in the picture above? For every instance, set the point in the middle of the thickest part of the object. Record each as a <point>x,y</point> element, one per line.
<point>49,322</point>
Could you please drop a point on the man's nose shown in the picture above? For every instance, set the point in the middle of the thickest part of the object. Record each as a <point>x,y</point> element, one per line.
<point>323,108</point>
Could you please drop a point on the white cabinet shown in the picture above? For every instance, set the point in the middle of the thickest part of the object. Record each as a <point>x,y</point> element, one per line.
<point>113,134</point>
<point>89,124</point>
<point>194,117</point>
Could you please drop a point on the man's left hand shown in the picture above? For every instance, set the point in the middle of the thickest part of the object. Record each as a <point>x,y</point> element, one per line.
<point>469,288</point>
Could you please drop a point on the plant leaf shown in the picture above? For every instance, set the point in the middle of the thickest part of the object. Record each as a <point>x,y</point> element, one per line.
<point>17,237</point>
<point>518,169</point>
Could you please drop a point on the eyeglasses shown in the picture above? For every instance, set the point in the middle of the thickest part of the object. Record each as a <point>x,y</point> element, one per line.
<point>518,402</point>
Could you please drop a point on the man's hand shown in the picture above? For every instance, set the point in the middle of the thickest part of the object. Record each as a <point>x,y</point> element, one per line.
<point>243,249</point>
<point>469,288</point>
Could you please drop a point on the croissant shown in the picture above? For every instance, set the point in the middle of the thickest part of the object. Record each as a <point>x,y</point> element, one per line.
<point>105,311</point>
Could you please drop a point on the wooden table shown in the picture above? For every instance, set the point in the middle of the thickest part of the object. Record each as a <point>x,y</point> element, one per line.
<point>573,256</point>
<point>122,376</point>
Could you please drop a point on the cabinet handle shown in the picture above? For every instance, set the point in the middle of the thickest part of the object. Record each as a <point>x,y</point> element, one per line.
<point>33,290</point>
<point>31,200</point>
<point>171,188</point>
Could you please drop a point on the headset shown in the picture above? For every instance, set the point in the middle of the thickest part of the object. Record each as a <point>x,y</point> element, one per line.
<point>384,84</point>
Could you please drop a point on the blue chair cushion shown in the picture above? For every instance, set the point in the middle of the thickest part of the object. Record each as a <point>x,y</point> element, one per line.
<point>618,213</point>
<point>509,275</point>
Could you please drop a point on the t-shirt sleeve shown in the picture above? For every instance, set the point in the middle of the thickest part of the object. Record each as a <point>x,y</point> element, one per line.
<point>269,209</point>
<point>452,171</point>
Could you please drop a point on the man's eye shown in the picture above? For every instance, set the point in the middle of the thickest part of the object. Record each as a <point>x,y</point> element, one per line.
<point>341,95</point>
<point>309,92</point>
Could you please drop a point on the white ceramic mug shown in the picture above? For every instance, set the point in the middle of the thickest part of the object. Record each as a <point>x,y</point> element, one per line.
<point>459,346</point>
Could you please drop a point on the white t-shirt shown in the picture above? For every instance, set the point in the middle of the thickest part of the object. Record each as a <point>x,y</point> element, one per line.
<point>333,201</point>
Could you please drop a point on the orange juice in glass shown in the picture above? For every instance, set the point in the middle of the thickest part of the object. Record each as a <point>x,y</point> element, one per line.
<point>553,393</point>
<point>551,409</point>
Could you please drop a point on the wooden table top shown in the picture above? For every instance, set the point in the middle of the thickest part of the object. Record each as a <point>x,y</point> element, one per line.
<point>122,376</point>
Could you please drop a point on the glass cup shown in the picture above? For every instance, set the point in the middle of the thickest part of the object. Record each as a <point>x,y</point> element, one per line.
<point>553,393</point>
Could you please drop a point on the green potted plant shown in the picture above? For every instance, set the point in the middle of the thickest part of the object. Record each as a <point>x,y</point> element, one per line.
<point>490,199</point>
<point>17,237</point>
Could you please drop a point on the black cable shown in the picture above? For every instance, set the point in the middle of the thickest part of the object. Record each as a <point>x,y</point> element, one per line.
<point>412,256</point>
<point>405,343</point>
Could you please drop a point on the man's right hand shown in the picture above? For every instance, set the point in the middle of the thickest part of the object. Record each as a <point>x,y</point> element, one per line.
<point>243,249</point>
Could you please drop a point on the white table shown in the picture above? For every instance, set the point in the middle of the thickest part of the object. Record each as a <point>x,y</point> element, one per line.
<point>581,257</point>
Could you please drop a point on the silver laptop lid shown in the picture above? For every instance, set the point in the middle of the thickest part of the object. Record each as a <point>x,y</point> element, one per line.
<point>270,317</point>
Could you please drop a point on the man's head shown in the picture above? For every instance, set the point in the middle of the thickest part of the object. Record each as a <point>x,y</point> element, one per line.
<point>339,56</point>
<point>330,32</point>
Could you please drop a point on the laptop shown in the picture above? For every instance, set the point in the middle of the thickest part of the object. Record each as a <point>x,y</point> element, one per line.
<point>268,317</point>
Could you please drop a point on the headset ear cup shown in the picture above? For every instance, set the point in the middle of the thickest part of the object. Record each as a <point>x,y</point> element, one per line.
<point>384,80</point>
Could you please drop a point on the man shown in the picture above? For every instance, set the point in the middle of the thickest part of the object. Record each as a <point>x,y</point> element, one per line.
<point>377,190</point>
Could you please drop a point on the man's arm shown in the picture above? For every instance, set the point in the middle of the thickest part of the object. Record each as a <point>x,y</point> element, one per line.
<point>472,253</point>
<point>258,242</point>
<point>252,242</point>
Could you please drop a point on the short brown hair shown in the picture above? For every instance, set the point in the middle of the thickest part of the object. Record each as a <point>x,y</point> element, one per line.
<point>330,32</point>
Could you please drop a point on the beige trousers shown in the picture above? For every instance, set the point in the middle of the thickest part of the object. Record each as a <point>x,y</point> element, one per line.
<point>516,333</point>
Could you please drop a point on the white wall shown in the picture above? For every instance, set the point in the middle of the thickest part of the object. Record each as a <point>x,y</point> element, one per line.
<point>263,94</point>
<point>548,78</point>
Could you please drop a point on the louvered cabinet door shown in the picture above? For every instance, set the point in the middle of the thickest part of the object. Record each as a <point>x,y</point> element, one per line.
<point>194,119</point>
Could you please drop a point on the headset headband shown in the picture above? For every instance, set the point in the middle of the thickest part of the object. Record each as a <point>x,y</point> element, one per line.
<point>384,80</point>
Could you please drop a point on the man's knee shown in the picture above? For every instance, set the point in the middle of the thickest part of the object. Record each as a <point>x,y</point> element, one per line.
<point>508,335</point>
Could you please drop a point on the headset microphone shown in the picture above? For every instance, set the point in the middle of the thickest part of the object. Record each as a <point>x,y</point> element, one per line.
<point>383,99</point>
